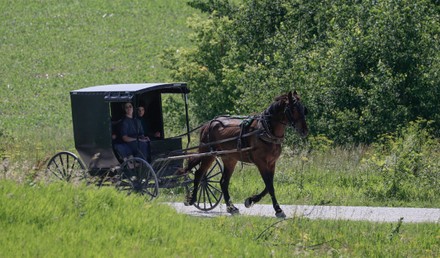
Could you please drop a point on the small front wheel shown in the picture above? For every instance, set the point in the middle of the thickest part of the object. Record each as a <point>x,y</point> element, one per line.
<point>65,166</point>
<point>137,176</point>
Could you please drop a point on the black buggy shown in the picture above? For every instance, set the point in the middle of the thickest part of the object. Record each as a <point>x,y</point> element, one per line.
<point>95,113</point>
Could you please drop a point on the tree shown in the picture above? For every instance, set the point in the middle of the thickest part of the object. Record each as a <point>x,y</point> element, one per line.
<point>363,67</point>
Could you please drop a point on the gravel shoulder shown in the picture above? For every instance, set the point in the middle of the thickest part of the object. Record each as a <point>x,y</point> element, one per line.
<point>358,213</point>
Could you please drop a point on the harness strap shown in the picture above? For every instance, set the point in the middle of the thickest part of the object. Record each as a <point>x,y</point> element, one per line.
<point>244,126</point>
<point>266,135</point>
<point>229,139</point>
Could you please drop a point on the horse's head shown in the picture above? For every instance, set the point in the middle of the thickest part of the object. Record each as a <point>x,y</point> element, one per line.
<point>296,113</point>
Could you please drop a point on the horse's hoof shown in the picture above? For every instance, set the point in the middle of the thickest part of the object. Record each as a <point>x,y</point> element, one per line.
<point>189,202</point>
<point>248,203</point>
<point>233,210</point>
<point>280,214</point>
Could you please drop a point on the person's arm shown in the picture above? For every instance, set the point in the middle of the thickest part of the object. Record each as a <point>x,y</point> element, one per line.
<point>141,132</point>
<point>126,138</point>
<point>124,132</point>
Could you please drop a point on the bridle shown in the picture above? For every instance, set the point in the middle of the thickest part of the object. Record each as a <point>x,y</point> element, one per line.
<point>288,111</point>
<point>266,130</point>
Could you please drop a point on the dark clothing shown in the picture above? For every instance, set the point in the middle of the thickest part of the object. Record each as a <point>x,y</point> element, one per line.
<point>138,149</point>
<point>148,129</point>
<point>122,150</point>
<point>144,126</point>
<point>132,127</point>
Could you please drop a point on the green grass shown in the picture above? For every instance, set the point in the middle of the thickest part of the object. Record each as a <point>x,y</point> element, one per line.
<point>48,48</point>
<point>63,220</point>
<point>335,177</point>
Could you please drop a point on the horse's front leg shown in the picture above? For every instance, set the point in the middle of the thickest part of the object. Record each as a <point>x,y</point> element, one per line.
<point>268,180</point>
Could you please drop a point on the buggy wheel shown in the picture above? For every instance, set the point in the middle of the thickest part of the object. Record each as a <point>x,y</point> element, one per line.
<point>65,166</point>
<point>209,193</point>
<point>137,176</point>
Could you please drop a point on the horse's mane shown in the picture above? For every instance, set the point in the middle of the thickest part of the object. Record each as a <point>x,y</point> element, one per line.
<point>276,106</point>
<point>281,97</point>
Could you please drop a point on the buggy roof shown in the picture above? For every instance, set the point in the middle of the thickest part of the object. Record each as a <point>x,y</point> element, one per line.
<point>134,88</point>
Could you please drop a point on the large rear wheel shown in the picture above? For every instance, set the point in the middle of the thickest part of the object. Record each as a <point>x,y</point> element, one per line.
<point>65,166</point>
<point>137,176</point>
<point>209,193</point>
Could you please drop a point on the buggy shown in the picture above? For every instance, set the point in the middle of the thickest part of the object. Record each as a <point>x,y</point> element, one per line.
<point>96,112</point>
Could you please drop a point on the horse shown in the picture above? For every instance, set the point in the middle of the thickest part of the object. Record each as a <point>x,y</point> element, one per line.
<point>257,140</point>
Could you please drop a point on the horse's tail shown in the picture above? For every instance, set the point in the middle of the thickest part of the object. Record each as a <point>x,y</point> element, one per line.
<point>194,161</point>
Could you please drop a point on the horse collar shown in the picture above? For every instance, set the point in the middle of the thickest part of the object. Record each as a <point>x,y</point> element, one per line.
<point>266,134</point>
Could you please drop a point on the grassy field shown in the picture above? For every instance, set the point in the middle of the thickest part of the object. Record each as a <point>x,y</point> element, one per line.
<point>48,48</point>
<point>63,220</point>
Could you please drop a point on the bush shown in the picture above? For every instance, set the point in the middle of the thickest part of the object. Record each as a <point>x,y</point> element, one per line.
<point>407,162</point>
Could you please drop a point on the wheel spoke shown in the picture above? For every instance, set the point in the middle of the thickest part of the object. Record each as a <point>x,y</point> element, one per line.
<point>139,177</point>
<point>200,195</point>
<point>64,167</point>
<point>208,195</point>
<point>56,173</point>
<point>216,166</point>
<point>68,169</point>
<point>213,194</point>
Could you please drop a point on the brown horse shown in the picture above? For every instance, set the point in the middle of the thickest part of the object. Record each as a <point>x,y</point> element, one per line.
<point>257,140</point>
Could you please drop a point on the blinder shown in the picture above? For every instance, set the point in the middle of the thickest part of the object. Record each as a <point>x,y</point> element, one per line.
<point>288,111</point>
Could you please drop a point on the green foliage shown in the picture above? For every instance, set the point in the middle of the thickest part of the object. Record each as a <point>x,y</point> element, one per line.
<point>174,115</point>
<point>364,68</point>
<point>218,7</point>
<point>61,220</point>
<point>407,162</point>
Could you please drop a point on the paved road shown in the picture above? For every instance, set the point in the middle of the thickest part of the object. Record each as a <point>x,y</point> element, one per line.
<point>376,214</point>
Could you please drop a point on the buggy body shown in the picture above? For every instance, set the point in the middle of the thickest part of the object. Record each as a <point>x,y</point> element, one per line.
<point>96,110</point>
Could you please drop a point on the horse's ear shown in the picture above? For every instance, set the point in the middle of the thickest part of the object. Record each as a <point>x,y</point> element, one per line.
<point>290,96</point>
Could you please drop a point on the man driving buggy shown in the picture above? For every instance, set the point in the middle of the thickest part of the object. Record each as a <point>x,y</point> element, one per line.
<point>132,134</point>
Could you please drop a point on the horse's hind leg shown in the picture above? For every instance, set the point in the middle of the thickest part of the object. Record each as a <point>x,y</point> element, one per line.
<point>229,166</point>
<point>205,163</point>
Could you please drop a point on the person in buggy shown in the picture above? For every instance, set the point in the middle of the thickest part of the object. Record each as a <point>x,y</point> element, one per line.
<point>132,141</point>
<point>146,124</point>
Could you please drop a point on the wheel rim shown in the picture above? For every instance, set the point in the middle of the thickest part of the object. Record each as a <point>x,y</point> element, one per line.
<point>209,193</point>
<point>65,166</point>
<point>137,176</point>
